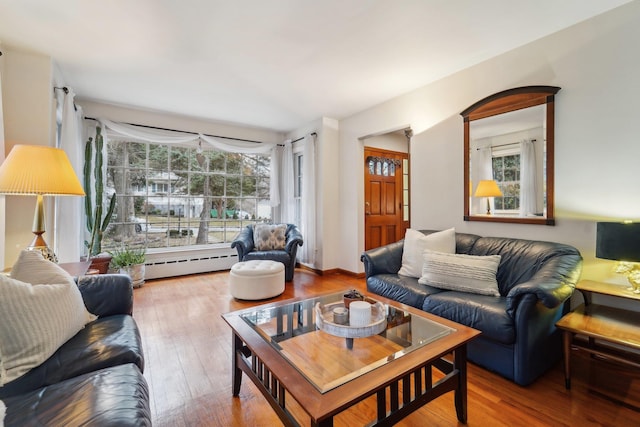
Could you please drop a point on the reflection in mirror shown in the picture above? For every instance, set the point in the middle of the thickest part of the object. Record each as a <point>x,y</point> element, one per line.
<point>509,140</point>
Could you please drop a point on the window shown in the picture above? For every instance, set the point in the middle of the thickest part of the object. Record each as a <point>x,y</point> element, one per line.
<point>506,172</point>
<point>171,195</point>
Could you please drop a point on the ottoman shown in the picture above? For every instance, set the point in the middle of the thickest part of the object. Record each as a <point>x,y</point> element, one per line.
<point>254,280</point>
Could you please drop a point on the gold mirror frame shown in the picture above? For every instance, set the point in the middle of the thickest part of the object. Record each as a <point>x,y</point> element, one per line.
<point>504,102</point>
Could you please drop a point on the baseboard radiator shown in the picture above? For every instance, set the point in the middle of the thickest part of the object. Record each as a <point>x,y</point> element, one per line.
<point>180,263</point>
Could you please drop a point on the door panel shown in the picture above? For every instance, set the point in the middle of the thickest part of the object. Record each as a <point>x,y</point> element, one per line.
<point>383,197</point>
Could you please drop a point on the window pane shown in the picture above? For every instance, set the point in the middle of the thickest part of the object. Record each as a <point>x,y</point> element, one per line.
<point>169,196</point>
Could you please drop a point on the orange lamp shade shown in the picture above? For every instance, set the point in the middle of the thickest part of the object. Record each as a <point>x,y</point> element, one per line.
<point>38,169</point>
<point>488,188</point>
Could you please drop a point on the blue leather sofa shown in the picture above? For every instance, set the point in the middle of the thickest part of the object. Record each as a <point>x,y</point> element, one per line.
<point>519,339</point>
<point>95,378</point>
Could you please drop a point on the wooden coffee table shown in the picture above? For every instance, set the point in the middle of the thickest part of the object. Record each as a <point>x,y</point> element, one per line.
<point>279,347</point>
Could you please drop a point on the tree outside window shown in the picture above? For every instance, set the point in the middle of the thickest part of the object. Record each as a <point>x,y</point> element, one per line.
<point>170,196</point>
<point>506,172</point>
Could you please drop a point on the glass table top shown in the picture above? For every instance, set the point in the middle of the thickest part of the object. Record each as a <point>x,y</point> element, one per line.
<point>327,360</point>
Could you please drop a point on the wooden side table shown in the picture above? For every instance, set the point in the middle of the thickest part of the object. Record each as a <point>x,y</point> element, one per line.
<point>601,323</point>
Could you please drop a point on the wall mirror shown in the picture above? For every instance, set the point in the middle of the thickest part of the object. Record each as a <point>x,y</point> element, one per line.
<point>508,157</point>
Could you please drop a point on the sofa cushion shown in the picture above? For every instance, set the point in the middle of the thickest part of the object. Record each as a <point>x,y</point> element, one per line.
<point>117,396</point>
<point>465,273</point>
<point>36,319</point>
<point>270,237</point>
<point>403,289</point>
<point>522,259</point>
<point>482,312</point>
<point>108,341</point>
<point>415,243</point>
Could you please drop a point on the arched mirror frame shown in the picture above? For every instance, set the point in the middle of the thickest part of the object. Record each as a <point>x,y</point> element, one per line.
<point>504,102</point>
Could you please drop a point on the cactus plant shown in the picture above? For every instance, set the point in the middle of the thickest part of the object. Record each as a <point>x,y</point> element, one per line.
<point>94,167</point>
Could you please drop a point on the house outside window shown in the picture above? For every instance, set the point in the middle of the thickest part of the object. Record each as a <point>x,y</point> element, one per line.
<point>183,195</point>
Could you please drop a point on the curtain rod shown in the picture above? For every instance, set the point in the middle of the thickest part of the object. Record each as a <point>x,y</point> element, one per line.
<point>502,145</point>
<point>302,137</point>
<point>184,131</point>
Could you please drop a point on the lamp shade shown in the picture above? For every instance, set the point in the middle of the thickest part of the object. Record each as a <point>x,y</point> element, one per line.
<point>488,188</point>
<point>37,169</point>
<point>618,241</point>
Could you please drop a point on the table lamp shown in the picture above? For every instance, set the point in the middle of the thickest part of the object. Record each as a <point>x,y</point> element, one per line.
<point>41,171</point>
<point>620,241</point>
<point>488,188</point>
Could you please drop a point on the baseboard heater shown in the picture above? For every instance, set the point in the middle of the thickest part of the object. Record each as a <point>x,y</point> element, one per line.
<point>180,264</point>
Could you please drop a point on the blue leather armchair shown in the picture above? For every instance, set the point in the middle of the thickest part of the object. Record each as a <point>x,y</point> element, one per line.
<point>246,249</point>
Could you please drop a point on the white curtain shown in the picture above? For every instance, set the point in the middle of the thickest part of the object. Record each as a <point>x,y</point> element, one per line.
<point>159,136</point>
<point>528,187</point>
<point>308,214</point>
<point>68,218</point>
<point>482,169</point>
<point>274,177</point>
<point>287,195</point>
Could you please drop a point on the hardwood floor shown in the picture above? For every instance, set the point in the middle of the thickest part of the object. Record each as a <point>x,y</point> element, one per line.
<point>188,367</point>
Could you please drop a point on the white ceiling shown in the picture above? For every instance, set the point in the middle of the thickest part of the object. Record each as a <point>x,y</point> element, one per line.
<point>278,64</point>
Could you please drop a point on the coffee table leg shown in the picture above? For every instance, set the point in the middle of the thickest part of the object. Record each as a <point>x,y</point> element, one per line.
<point>349,343</point>
<point>237,372</point>
<point>460,360</point>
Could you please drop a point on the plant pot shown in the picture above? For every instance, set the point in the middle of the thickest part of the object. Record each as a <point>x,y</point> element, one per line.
<point>348,299</point>
<point>100,263</point>
<point>136,272</point>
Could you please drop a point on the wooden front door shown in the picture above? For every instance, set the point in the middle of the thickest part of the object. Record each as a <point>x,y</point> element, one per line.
<point>384,221</point>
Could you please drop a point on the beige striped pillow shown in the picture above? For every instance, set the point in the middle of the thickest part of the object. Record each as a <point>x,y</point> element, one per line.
<point>36,319</point>
<point>459,272</point>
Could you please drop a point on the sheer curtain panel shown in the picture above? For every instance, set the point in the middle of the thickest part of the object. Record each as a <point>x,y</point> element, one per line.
<point>528,187</point>
<point>69,226</point>
<point>308,214</point>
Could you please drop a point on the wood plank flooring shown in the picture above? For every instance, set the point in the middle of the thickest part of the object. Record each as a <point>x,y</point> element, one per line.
<point>188,367</point>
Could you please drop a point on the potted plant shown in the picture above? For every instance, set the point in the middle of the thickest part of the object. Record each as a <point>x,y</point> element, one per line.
<point>130,261</point>
<point>97,219</point>
<point>352,295</point>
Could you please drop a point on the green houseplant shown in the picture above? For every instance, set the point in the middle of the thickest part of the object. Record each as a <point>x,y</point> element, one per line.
<point>97,219</point>
<point>130,261</point>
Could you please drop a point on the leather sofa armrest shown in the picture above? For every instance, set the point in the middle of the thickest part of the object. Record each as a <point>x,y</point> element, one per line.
<point>294,237</point>
<point>552,285</point>
<point>383,260</point>
<point>107,294</point>
<point>244,242</point>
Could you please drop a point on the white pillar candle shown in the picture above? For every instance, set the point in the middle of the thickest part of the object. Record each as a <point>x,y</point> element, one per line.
<point>359,313</point>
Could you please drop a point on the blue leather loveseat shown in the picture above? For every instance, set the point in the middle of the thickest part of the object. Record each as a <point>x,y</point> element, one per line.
<point>95,378</point>
<point>519,339</point>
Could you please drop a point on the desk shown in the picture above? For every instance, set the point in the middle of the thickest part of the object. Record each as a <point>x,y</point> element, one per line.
<point>601,323</point>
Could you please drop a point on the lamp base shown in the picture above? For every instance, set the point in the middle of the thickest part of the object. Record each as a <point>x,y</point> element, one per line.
<point>40,245</point>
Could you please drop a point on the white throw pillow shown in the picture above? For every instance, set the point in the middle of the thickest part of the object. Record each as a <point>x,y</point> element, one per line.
<point>36,319</point>
<point>415,243</point>
<point>459,272</point>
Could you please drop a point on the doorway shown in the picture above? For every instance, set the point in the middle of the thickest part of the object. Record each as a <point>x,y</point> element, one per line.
<point>386,195</point>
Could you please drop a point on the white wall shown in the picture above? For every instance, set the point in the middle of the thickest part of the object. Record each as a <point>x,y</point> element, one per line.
<point>596,65</point>
<point>27,98</point>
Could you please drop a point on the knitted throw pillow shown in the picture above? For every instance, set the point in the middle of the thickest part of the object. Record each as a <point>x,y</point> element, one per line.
<point>268,237</point>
